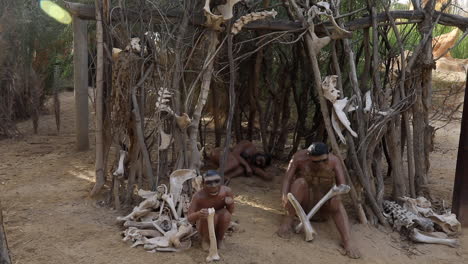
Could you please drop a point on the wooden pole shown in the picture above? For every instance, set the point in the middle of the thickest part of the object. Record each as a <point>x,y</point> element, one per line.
<point>460,195</point>
<point>80,79</point>
<point>4,254</point>
<point>100,176</point>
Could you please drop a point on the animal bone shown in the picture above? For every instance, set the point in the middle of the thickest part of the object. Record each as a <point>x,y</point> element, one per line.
<point>139,225</point>
<point>338,107</point>
<point>142,209</point>
<point>227,9</point>
<point>332,94</point>
<point>133,233</point>
<point>151,216</point>
<point>166,140</point>
<point>184,230</point>
<point>170,202</point>
<point>329,88</point>
<point>154,242</point>
<point>183,121</point>
<point>213,253</point>
<point>308,229</point>
<point>120,169</point>
<point>448,222</point>
<point>400,217</point>
<point>338,127</point>
<point>212,21</point>
<point>334,191</point>
<point>164,96</point>
<point>244,20</point>
<point>432,238</point>
<point>197,183</point>
<point>177,179</point>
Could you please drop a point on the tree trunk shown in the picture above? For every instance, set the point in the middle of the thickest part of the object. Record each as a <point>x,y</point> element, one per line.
<point>4,252</point>
<point>100,170</point>
<point>216,116</point>
<point>80,81</point>
<point>208,68</point>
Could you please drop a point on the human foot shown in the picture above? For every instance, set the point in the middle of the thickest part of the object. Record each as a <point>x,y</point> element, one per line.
<point>285,230</point>
<point>350,251</point>
<point>205,245</point>
<point>221,244</point>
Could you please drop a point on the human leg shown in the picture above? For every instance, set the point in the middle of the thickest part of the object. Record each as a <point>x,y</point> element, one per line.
<point>300,190</point>
<point>340,217</point>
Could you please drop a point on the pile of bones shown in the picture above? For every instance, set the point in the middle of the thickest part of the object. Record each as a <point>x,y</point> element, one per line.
<point>159,222</point>
<point>418,220</point>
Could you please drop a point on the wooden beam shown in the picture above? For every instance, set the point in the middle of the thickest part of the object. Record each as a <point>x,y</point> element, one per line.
<point>414,16</point>
<point>80,80</point>
<point>87,12</point>
<point>460,187</point>
<point>82,11</point>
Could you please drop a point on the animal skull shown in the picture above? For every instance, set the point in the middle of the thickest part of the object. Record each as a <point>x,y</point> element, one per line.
<point>329,88</point>
<point>332,94</point>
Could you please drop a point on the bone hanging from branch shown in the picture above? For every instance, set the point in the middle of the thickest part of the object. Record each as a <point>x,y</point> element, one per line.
<point>164,97</point>
<point>332,94</point>
<point>225,11</point>
<point>244,20</point>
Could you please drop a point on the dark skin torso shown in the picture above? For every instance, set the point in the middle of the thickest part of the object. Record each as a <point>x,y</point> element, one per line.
<point>302,166</point>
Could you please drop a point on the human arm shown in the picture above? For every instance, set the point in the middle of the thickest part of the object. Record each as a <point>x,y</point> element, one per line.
<point>245,164</point>
<point>229,200</point>
<point>262,173</point>
<point>287,181</point>
<point>338,169</point>
<point>194,214</point>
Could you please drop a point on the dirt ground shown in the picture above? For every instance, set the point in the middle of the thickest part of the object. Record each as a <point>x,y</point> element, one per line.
<point>48,217</point>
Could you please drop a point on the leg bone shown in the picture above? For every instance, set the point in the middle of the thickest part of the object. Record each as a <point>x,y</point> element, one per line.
<point>423,237</point>
<point>334,191</point>
<point>213,252</point>
<point>308,230</point>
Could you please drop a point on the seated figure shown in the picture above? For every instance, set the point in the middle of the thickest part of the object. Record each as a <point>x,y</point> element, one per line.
<point>212,195</point>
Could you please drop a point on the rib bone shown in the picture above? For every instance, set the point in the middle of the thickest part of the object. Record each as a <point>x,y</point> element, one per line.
<point>432,238</point>
<point>213,253</point>
<point>308,229</point>
<point>334,191</point>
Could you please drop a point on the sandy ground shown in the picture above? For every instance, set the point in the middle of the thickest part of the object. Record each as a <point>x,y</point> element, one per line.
<point>44,185</point>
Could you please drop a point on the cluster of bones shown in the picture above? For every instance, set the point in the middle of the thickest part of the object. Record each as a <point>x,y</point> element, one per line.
<point>418,220</point>
<point>159,222</point>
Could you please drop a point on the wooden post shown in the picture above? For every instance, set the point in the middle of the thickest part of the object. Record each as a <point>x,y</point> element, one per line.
<point>460,195</point>
<point>4,254</point>
<point>80,79</point>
